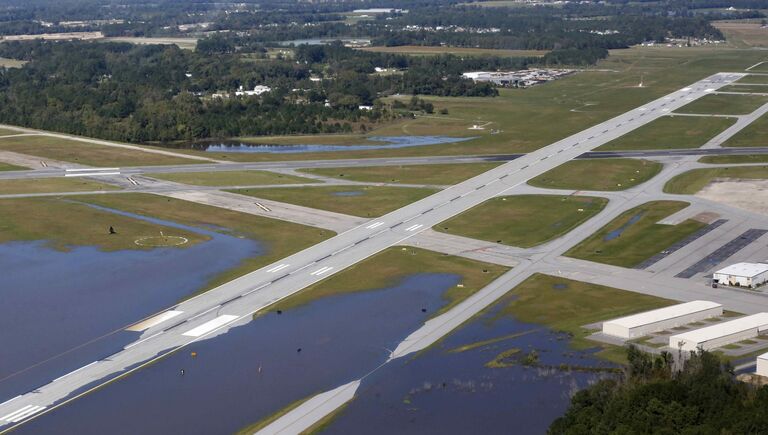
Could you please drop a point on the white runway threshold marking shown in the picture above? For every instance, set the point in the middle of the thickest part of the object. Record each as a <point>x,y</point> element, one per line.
<point>375,225</point>
<point>210,325</point>
<point>154,321</point>
<point>21,414</point>
<point>321,271</point>
<point>91,174</point>
<point>278,268</point>
<point>414,227</point>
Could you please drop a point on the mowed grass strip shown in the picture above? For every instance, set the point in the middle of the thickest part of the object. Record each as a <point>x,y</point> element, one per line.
<point>10,167</point>
<point>671,132</point>
<point>635,236</point>
<point>524,220</point>
<point>7,132</point>
<point>280,238</point>
<point>363,201</point>
<point>64,224</point>
<point>394,264</point>
<point>231,178</point>
<point>410,174</point>
<point>74,151</point>
<point>749,89</point>
<point>693,181</point>
<point>753,135</point>
<point>51,185</point>
<point>598,174</point>
<point>726,159</point>
<point>753,79</point>
<point>567,305</point>
<point>725,104</point>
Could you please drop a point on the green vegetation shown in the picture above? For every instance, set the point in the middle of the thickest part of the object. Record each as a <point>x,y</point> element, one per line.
<point>753,135</point>
<point>733,159</point>
<point>6,132</point>
<point>671,132</point>
<point>50,185</point>
<point>753,79</point>
<point>394,264</point>
<point>231,178</point>
<point>598,174</point>
<point>264,422</point>
<point>725,104</point>
<point>507,358</point>
<point>703,397</point>
<point>523,220</point>
<point>566,305</point>
<point>411,174</point>
<point>364,201</point>
<point>70,150</point>
<point>278,237</point>
<point>63,224</point>
<point>693,181</point>
<point>635,236</point>
<point>757,89</point>
<point>10,167</point>
<point>424,50</point>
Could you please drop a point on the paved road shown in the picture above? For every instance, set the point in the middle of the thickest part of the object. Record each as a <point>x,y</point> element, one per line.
<point>234,302</point>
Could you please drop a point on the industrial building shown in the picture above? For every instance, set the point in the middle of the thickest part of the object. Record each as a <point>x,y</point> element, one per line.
<point>721,334</point>
<point>642,324</point>
<point>748,275</point>
<point>762,365</point>
<point>519,79</point>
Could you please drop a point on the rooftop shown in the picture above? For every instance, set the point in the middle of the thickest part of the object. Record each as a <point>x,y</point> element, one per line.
<point>744,269</point>
<point>665,313</point>
<point>759,321</point>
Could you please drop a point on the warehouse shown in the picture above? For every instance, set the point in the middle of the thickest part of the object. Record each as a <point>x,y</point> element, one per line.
<point>762,365</point>
<point>721,334</point>
<point>645,323</point>
<point>748,275</point>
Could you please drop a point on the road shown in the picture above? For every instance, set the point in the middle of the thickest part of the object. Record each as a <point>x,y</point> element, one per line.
<point>235,302</point>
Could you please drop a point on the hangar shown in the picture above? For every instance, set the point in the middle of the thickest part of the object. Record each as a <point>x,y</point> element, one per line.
<point>645,323</point>
<point>762,365</point>
<point>748,275</point>
<point>721,334</point>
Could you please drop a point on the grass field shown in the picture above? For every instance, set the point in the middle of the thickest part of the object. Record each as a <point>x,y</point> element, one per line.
<point>756,88</point>
<point>725,159</point>
<point>231,178</point>
<point>412,174</point>
<point>388,267</point>
<point>671,132</point>
<point>84,153</point>
<point>6,132</point>
<point>464,51</point>
<point>598,174</point>
<point>753,79</point>
<point>10,167</point>
<point>753,135</point>
<point>49,185</point>
<point>364,201</point>
<point>693,181</point>
<point>185,43</point>
<point>64,224</point>
<point>566,305</point>
<point>11,63</point>
<point>524,220</point>
<point>725,104</point>
<point>524,117</point>
<point>635,236</point>
<point>280,238</point>
<point>743,34</point>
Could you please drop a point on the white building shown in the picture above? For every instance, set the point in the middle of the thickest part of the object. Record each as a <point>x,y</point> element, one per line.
<point>742,274</point>
<point>762,365</point>
<point>721,334</point>
<point>257,90</point>
<point>642,324</point>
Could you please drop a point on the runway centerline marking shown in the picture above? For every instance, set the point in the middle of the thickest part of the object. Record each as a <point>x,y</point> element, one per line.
<point>278,268</point>
<point>375,224</point>
<point>414,227</point>
<point>321,271</point>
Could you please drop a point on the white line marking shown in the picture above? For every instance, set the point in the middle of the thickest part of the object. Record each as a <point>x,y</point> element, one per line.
<point>45,165</point>
<point>12,415</point>
<point>342,249</point>
<point>154,321</point>
<point>10,400</point>
<point>414,227</point>
<point>256,289</point>
<point>92,169</point>
<point>278,268</point>
<point>94,174</point>
<point>143,340</point>
<point>203,313</point>
<point>263,207</point>
<point>74,371</point>
<point>26,414</point>
<point>375,224</point>
<point>210,325</point>
<point>321,271</point>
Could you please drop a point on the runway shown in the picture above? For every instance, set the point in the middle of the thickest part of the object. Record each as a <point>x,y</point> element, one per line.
<point>214,312</point>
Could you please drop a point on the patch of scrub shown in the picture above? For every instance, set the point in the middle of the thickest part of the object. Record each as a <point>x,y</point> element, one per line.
<point>57,301</point>
<point>259,368</point>
<point>387,143</point>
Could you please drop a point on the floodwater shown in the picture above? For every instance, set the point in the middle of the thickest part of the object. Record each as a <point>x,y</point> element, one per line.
<point>446,392</point>
<point>62,310</point>
<point>258,368</point>
<point>387,143</point>
<point>618,231</point>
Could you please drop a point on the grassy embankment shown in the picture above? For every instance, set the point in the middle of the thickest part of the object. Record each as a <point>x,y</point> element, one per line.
<point>693,181</point>
<point>753,135</point>
<point>10,167</point>
<point>756,88</point>
<point>725,104</point>
<point>75,151</point>
<point>743,34</point>
<point>394,264</point>
<point>413,174</point>
<point>670,132</point>
<point>278,237</point>
<point>524,220</point>
<point>753,79</point>
<point>231,178</point>
<point>524,117</point>
<point>51,185</point>
<point>566,305</point>
<point>598,174</point>
<point>734,159</point>
<point>6,132</point>
<point>64,224</point>
<point>639,240</point>
<point>371,202</point>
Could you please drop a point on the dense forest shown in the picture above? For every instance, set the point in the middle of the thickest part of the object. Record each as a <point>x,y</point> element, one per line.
<point>702,398</point>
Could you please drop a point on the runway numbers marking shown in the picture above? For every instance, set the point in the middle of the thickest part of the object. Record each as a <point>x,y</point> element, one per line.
<point>321,271</point>
<point>375,225</point>
<point>21,414</point>
<point>278,268</point>
<point>414,227</point>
